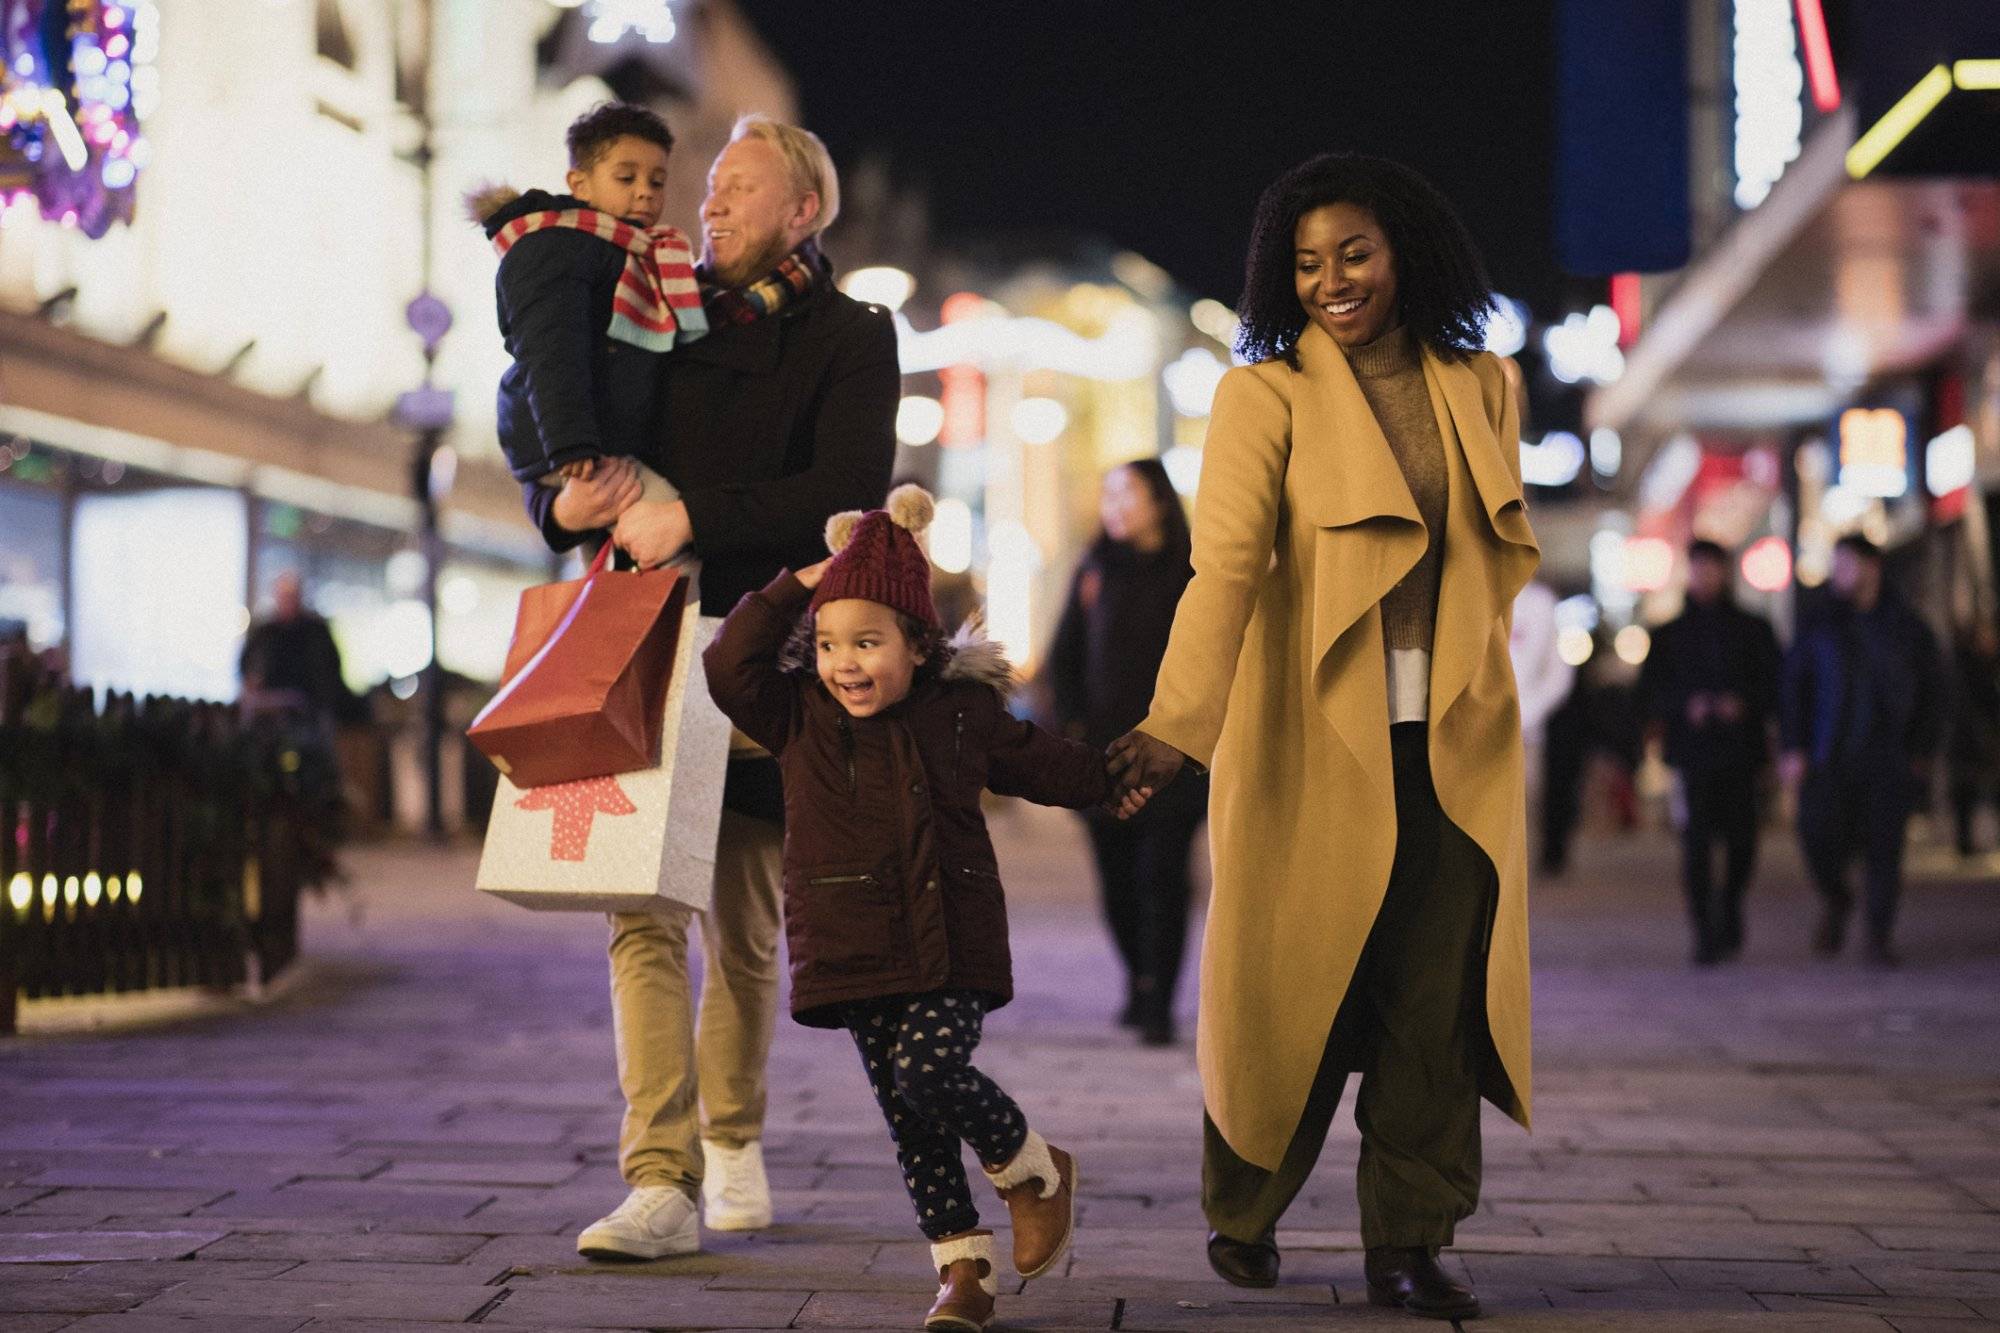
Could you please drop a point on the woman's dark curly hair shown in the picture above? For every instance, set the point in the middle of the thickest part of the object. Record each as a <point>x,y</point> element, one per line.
<point>1440,282</point>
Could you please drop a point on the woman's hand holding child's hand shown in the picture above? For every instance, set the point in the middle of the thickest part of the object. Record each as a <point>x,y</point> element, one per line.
<point>1140,765</point>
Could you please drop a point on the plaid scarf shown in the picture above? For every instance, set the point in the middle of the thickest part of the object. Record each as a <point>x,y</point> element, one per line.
<point>657,303</point>
<point>796,275</point>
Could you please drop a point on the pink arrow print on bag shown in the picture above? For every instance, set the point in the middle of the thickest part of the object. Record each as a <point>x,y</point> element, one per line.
<point>577,806</point>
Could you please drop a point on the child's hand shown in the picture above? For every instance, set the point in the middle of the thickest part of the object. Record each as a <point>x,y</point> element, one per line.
<point>1131,804</point>
<point>595,504</point>
<point>578,471</point>
<point>810,577</point>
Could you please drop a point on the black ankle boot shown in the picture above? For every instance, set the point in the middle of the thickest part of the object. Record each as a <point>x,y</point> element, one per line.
<point>1244,1263</point>
<point>1410,1280</point>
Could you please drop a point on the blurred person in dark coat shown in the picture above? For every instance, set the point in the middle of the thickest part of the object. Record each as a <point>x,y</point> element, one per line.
<point>1709,691</point>
<point>1861,726</point>
<point>1103,663</point>
<point>1593,736</point>
<point>1544,680</point>
<point>290,663</point>
<point>1975,727</point>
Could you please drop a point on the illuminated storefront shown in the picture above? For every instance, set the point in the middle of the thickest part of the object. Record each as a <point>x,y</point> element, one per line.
<point>212,219</point>
<point>1831,319</point>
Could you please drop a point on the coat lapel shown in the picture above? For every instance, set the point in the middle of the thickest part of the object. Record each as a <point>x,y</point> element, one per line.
<point>1346,485</point>
<point>1346,473</point>
<point>1490,551</point>
<point>1345,482</point>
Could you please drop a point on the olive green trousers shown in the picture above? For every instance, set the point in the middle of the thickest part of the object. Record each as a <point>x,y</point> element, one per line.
<point>1413,1025</point>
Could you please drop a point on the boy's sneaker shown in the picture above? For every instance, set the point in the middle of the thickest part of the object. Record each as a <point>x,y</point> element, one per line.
<point>655,1221</point>
<point>735,1194</point>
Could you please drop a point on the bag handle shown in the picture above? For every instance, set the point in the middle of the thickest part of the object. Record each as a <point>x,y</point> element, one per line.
<point>602,561</point>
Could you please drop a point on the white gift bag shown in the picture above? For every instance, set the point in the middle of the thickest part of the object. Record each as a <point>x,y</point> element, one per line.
<point>631,843</point>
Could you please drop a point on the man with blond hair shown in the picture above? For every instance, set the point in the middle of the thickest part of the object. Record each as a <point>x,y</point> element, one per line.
<point>783,415</point>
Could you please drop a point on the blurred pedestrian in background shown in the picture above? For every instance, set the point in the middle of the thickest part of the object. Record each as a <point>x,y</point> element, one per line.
<point>1102,665</point>
<point>1593,742</point>
<point>1542,678</point>
<point>291,666</point>
<point>1565,750</point>
<point>1709,693</point>
<point>1975,729</point>
<point>1861,726</point>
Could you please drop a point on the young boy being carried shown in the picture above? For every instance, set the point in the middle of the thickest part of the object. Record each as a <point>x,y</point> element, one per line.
<point>592,291</point>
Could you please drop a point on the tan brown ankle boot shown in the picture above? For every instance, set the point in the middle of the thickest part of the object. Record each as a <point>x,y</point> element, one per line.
<point>1039,1189</point>
<point>966,1286</point>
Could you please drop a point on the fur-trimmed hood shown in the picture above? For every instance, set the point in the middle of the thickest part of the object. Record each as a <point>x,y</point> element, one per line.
<point>493,206</point>
<point>979,660</point>
<point>969,657</point>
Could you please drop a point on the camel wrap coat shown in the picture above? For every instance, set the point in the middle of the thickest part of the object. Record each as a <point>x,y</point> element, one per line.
<point>1275,679</point>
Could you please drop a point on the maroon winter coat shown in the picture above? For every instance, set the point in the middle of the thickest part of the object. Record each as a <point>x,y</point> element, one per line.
<point>891,887</point>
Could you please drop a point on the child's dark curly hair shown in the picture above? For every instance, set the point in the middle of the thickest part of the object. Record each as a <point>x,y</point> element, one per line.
<point>1440,282</point>
<point>930,643</point>
<point>591,134</point>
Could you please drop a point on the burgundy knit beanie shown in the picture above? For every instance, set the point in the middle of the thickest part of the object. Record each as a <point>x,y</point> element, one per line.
<point>876,557</point>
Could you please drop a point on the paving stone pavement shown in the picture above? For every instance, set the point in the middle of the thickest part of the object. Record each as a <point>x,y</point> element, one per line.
<point>411,1133</point>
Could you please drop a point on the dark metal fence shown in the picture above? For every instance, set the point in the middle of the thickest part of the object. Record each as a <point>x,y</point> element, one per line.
<point>150,842</point>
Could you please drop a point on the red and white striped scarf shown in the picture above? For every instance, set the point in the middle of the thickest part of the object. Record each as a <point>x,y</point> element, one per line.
<point>658,301</point>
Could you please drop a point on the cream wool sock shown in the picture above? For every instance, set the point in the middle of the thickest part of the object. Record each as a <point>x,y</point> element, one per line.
<point>1031,1163</point>
<point>977,1246</point>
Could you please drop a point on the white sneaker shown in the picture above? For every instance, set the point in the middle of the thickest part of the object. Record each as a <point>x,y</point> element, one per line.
<point>735,1194</point>
<point>654,1221</point>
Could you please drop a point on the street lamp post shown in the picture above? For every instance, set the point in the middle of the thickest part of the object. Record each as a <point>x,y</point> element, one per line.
<point>433,468</point>
<point>428,411</point>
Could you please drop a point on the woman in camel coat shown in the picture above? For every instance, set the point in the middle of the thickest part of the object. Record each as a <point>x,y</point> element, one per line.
<point>1340,662</point>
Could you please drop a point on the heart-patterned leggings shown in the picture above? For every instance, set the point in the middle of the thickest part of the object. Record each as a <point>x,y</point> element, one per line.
<point>917,1050</point>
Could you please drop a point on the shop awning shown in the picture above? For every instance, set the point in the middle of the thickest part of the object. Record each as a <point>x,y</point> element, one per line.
<point>122,403</point>
<point>1828,285</point>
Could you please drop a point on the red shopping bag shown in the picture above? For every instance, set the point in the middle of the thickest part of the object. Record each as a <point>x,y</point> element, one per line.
<point>586,677</point>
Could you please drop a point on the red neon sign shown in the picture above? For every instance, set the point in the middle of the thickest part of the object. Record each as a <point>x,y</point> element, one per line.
<point>1820,73</point>
<point>1625,304</point>
<point>962,388</point>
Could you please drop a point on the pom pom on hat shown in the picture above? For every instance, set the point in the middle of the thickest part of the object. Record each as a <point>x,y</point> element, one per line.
<point>911,508</point>
<point>840,530</point>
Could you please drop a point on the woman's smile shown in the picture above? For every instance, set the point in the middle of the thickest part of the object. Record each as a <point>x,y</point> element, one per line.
<point>1346,309</point>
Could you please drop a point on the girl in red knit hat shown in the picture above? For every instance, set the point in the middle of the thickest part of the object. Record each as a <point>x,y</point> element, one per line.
<point>887,734</point>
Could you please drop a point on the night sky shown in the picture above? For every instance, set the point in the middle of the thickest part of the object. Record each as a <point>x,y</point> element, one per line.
<point>1157,123</point>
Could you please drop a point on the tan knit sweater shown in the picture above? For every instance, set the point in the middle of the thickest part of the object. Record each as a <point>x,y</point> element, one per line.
<point>1391,375</point>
